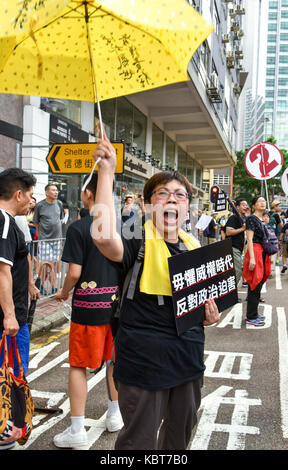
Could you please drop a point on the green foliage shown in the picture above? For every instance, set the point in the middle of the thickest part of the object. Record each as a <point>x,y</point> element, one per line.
<point>247,187</point>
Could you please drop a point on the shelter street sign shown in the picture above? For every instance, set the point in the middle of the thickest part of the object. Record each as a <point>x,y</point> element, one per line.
<point>78,158</point>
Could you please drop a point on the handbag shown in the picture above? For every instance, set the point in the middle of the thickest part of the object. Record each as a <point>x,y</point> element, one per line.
<point>16,403</point>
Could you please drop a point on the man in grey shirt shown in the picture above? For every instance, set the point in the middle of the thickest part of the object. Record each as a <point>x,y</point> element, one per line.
<point>47,219</point>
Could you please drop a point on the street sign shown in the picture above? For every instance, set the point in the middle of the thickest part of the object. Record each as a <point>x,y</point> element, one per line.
<point>78,159</point>
<point>284,181</point>
<point>263,161</point>
<point>220,203</point>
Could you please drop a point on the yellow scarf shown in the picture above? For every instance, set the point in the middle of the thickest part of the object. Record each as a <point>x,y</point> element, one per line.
<point>155,278</point>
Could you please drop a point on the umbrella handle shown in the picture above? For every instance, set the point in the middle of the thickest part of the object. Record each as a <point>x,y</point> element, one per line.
<point>90,176</point>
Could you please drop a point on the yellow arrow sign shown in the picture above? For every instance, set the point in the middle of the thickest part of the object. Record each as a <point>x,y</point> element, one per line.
<point>77,158</point>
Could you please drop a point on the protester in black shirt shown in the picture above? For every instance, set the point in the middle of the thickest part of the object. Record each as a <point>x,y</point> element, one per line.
<point>158,373</point>
<point>95,281</point>
<point>235,228</point>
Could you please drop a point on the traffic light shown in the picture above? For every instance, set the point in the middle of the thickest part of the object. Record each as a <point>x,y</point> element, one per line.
<point>214,191</point>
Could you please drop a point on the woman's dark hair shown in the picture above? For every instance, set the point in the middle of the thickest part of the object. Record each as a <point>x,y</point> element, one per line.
<point>255,199</point>
<point>13,179</point>
<point>162,178</point>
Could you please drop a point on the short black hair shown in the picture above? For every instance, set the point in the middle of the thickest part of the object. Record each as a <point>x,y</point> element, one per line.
<point>92,185</point>
<point>48,186</point>
<point>13,179</point>
<point>162,178</point>
<point>238,202</point>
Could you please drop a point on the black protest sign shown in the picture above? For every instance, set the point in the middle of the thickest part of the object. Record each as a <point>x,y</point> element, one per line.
<point>198,275</point>
<point>220,204</point>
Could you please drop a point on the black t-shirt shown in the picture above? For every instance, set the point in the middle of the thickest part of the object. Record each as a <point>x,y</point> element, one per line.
<point>285,236</point>
<point>149,353</point>
<point>93,294</point>
<point>14,251</point>
<point>239,239</point>
<point>255,224</point>
<point>211,226</point>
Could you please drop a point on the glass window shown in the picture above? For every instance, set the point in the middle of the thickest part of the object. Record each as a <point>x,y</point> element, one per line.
<point>282,104</point>
<point>139,129</point>
<point>269,93</point>
<point>182,161</point>
<point>271,60</point>
<point>157,143</point>
<point>170,153</point>
<point>283,82</point>
<point>283,47</point>
<point>283,36</point>
<point>272,38</point>
<point>108,111</point>
<point>284,3</point>
<point>283,70</point>
<point>282,92</point>
<point>273,26</point>
<point>190,169</point>
<point>284,14</point>
<point>269,105</point>
<point>271,49</point>
<point>272,15</point>
<point>198,175</point>
<point>124,120</point>
<point>67,108</point>
<point>270,72</point>
<point>283,59</point>
<point>283,25</point>
<point>273,5</point>
<point>270,83</point>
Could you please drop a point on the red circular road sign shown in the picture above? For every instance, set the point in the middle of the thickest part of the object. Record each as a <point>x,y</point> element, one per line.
<point>263,161</point>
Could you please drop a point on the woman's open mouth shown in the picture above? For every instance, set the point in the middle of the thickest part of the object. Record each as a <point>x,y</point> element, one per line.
<point>171,216</point>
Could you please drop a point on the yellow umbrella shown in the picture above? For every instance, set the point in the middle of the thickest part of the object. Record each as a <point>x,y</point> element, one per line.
<point>123,46</point>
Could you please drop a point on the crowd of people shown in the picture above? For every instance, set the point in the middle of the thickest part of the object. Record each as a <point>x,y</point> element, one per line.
<point>154,376</point>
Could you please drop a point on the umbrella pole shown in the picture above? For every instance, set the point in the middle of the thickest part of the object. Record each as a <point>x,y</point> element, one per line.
<point>95,96</point>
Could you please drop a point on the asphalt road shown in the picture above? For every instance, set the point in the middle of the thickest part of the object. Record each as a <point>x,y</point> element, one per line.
<point>244,396</point>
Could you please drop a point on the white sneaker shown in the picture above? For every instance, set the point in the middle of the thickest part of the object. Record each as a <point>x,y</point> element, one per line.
<point>7,446</point>
<point>114,422</point>
<point>75,441</point>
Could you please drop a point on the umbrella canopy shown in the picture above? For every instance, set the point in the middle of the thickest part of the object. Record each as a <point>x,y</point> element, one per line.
<point>115,47</point>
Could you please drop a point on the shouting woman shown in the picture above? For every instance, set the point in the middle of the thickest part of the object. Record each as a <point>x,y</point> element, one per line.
<point>158,373</point>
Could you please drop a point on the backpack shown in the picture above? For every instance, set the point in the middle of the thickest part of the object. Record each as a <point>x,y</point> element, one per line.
<point>270,241</point>
<point>272,222</point>
<point>206,232</point>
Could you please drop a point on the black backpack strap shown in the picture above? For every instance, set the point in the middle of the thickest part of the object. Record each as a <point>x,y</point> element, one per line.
<point>136,269</point>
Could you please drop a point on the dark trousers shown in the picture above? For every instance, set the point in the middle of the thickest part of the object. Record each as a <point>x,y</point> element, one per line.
<point>253,297</point>
<point>143,411</point>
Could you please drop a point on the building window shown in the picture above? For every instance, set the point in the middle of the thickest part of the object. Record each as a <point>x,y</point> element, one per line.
<point>170,153</point>
<point>66,108</point>
<point>221,179</point>
<point>157,143</point>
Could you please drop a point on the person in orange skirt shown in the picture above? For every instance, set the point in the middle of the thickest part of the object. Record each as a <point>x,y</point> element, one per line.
<point>257,265</point>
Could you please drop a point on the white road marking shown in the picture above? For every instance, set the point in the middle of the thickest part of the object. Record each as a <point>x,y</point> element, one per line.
<point>228,364</point>
<point>99,424</point>
<point>278,278</point>
<point>48,366</point>
<point>238,428</point>
<point>283,355</point>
